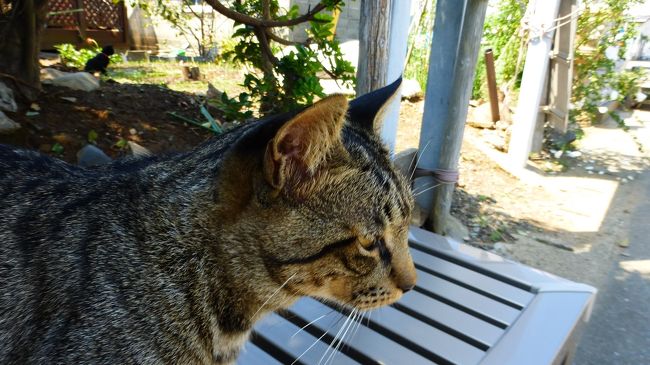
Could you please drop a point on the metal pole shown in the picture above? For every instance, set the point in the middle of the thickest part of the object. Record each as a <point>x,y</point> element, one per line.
<point>459,94</point>
<point>492,85</point>
<point>443,58</point>
<point>533,80</point>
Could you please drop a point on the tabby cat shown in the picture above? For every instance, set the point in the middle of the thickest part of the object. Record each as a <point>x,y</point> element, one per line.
<point>172,260</point>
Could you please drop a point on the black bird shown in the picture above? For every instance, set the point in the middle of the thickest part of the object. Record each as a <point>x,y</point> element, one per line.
<point>100,62</point>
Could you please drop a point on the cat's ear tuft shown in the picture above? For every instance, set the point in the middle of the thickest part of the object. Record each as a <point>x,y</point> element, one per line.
<point>303,143</point>
<point>367,111</point>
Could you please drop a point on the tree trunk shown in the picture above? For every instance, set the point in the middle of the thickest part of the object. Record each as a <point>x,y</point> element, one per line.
<point>19,46</point>
<point>374,31</point>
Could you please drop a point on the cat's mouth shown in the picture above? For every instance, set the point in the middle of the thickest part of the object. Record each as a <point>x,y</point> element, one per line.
<point>374,297</point>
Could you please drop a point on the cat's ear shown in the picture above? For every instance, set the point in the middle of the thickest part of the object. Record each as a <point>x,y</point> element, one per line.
<point>367,111</point>
<point>303,143</point>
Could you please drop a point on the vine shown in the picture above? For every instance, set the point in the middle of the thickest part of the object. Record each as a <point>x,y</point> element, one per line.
<point>603,31</point>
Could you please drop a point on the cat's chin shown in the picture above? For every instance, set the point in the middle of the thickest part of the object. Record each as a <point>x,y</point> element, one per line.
<point>362,304</point>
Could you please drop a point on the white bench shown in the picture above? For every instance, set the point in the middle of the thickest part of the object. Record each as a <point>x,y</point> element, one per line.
<point>469,307</point>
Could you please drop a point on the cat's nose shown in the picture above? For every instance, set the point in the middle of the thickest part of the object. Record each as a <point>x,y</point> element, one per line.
<point>406,288</point>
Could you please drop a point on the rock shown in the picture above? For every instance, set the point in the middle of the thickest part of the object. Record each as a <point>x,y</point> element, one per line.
<point>7,101</point>
<point>133,131</point>
<point>334,87</point>
<point>90,156</point>
<point>404,161</point>
<point>138,151</point>
<point>48,74</point>
<point>77,81</point>
<point>455,229</point>
<point>496,141</point>
<point>574,154</point>
<point>500,249</point>
<point>213,93</point>
<point>7,125</point>
<point>35,107</point>
<point>480,117</point>
<point>419,216</point>
<point>411,90</point>
<point>71,99</point>
<point>501,125</point>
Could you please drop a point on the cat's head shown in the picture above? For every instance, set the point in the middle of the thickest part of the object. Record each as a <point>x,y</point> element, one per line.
<point>338,211</point>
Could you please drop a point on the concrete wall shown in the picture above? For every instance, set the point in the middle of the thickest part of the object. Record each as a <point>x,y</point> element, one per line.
<point>156,34</point>
<point>347,27</point>
<point>639,49</point>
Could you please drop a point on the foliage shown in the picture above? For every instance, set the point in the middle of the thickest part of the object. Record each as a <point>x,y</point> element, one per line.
<point>57,148</point>
<point>501,34</point>
<point>290,81</point>
<point>77,58</point>
<point>276,81</point>
<point>419,43</point>
<point>237,108</point>
<point>604,29</point>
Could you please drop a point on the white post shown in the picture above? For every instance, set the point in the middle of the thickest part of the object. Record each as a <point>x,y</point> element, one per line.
<point>532,83</point>
<point>399,32</point>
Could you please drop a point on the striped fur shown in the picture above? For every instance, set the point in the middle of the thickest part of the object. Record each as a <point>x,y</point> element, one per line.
<point>172,259</point>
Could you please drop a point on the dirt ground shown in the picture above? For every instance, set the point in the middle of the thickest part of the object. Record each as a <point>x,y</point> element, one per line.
<point>138,113</point>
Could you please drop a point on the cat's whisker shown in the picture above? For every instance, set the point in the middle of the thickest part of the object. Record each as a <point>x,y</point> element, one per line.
<point>359,324</point>
<point>417,161</point>
<point>308,348</point>
<point>336,337</point>
<point>427,189</point>
<point>273,294</point>
<point>415,192</point>
<point>338,345</point>
<point>308,324</point>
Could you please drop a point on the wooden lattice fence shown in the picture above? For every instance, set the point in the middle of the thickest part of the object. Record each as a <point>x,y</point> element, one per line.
<point>73,21</point>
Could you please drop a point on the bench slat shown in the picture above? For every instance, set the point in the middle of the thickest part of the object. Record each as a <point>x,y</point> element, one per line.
<point>465,299</point>
<point>286,335</point>
<point>366,341</point>
<point>427,337</point>
<point>451,317</point>
<point>253,355</point>
<point>506,292</point>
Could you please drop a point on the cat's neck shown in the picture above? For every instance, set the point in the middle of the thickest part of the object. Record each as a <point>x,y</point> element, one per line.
<point>220,246</point>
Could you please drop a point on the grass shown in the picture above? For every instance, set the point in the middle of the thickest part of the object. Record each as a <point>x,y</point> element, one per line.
<point>224,77</point>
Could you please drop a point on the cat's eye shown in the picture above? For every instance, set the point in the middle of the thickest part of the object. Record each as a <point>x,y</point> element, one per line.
<point>368,244</point>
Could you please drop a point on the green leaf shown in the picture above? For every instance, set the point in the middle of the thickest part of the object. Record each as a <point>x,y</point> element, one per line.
<point>92,136</point>
<point>57,148</point>
<point>122,143</point>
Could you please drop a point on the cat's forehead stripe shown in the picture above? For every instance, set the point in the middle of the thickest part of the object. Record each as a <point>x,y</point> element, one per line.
<point>372,157</point>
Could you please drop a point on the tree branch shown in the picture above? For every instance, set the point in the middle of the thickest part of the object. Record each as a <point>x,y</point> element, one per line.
<point>256,22</point>
<point>267,53</point>
<point>287,42</point>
